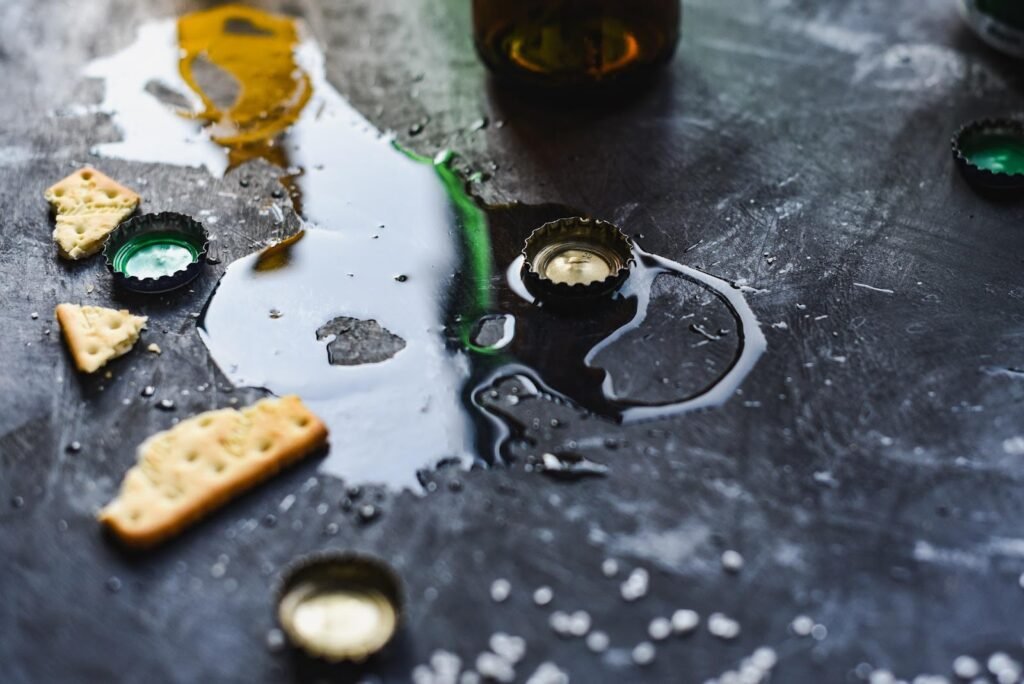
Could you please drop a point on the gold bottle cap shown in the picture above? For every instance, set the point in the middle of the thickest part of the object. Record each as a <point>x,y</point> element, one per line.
<point>339,606</point>
<point>575,258</point>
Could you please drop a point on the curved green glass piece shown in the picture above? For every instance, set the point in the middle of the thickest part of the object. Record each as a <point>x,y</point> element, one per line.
<point>476,243</point>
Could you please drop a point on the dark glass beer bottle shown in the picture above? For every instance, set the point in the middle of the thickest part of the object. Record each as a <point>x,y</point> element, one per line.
<point>575,42</point>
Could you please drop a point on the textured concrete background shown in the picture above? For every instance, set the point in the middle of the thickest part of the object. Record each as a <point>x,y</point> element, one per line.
<point>870,472</point>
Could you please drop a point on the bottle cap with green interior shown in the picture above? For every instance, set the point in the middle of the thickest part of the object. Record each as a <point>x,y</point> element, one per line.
<point>337,606</point>
<point>574,259</point>
<point>156,252</point>
<point>990,153</point>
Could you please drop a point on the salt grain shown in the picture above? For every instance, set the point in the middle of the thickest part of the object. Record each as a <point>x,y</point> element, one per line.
<point>560,622</point>
<point>684,621</point>
<point>579,623</point>
<point>882,677</point>
<point>659,629</point>
<point>966,667</point>
<point>732,561</point>
<point>543,595</point>
<point>597,641</point>
<point>643,653</point>
<point>511,648</point>
<point>723,627</point>
<point>636,585</point>
<point>500,590</point>
<point>548,673</point>
<point>493,667</point>
<point>802,625</point>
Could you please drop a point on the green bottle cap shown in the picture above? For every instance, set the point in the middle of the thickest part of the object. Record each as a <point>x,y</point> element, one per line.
<point>337,606</point>
<point>1000,23</point>
<point>573,259</point>
<point>156,252</point>
<point>990,153</point>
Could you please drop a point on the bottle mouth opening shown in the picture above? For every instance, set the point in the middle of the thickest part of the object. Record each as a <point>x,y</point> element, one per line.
<point>576,257</point>
<point>340,606</point>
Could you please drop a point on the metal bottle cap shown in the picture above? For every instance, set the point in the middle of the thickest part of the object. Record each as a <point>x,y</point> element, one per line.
<point>339,606</point>
<point>156,252</point>
<point>576,258</point>
<point>1000,23</point>
<point>990,153</point>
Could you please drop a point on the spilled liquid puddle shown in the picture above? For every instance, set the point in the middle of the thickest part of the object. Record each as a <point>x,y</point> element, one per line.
<point>387,417</point>
<point>604,399</point>
<point>399,305</point>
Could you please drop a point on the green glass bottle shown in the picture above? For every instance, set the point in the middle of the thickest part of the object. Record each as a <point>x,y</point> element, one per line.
<point>575,42</point>
<point>1000,23</point>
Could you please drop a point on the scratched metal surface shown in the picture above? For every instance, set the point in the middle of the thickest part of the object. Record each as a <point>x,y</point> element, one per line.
<point>870,473</point>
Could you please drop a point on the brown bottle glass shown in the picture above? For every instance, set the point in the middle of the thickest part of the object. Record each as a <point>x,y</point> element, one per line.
<point>575,42</point>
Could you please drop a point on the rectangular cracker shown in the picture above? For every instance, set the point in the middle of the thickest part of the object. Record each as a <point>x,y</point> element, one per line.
<point>201,463</point>
<point>95,334</point>
<point>89,205</point>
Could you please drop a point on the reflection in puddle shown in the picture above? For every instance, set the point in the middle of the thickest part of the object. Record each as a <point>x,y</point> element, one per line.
<point>382,313</point>
<point>387,418</point>
<point>635,293</point>
<point>254,90</point>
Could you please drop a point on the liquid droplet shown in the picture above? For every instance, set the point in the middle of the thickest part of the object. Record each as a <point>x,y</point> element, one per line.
<point>570,466</point>
<point>367,513</point>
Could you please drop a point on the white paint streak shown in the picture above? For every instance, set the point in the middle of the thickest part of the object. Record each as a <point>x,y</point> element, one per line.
<point>912,68</point>
<point>671,549</point>
<point>873,288</point>
<point>840,38</point>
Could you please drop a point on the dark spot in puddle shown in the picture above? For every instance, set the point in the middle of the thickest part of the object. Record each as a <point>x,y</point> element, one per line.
<point>240,26</point>
<point>357,342</point>
<point>216,83</point>
<point>168,95</point>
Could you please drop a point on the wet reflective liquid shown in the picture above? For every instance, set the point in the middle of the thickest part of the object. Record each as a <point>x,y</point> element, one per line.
<point>399,302</point>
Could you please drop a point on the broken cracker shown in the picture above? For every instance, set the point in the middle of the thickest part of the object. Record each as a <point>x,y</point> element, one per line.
<point>201,463</point>
<point>89,205</point>
<point>95,334</point>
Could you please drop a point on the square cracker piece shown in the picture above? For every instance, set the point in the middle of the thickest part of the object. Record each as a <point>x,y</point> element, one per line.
<point>89,205</point>
<point>201,463</point>
<point>95,335</point>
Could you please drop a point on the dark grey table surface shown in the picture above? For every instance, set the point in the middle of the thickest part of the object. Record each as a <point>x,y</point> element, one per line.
<point>870,472</point>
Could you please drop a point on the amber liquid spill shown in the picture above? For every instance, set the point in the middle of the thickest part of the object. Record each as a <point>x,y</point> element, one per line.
<point>390,238</point>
